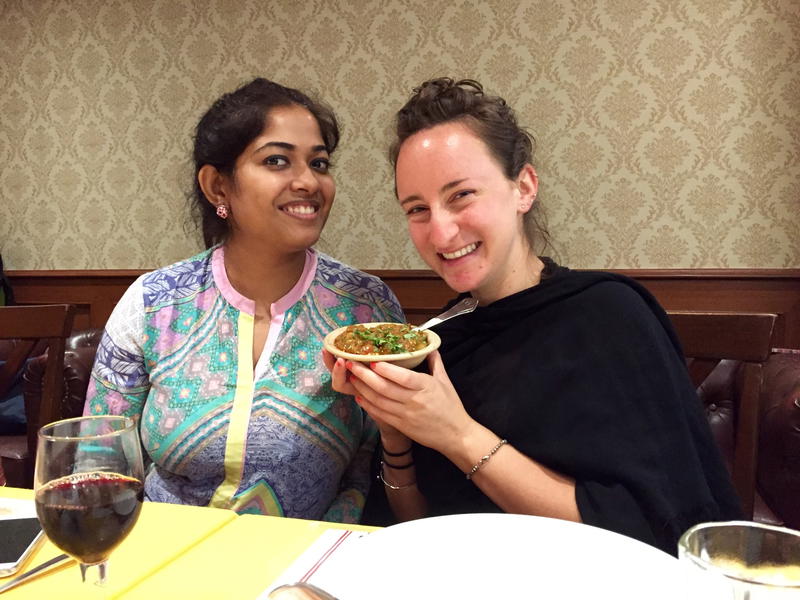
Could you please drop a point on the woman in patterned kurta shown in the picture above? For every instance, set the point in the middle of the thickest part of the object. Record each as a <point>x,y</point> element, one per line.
<point>235,405</point>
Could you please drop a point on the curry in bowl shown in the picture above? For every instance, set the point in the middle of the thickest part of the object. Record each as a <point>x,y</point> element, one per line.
<point>384,338</point>
<point>398,343</point>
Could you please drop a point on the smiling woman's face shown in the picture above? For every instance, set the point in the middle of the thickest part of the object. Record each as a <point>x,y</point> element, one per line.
<point>464,215</point>
<point>281,191</point>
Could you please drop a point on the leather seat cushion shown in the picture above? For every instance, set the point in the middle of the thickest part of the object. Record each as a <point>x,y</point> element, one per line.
<point>14,447</point>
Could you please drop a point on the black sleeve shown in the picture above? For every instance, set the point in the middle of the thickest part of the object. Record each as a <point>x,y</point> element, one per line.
<point>644,460</point>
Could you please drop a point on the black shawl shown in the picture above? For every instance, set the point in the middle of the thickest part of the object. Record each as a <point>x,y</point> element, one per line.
<point>584,373</point>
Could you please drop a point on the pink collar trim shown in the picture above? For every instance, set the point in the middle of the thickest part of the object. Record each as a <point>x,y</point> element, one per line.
<point>247,305</point>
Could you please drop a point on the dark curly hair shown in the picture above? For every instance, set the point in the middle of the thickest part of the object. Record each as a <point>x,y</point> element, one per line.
<point>230,125</point>
<point>443,100</point>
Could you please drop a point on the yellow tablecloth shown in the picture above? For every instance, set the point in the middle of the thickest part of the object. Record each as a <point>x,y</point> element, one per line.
<point>162,534</point>
<point>177,551</point>
<point>239,560</point>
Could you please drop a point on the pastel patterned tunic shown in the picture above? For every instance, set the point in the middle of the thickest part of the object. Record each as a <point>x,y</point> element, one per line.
<point>177,355</point>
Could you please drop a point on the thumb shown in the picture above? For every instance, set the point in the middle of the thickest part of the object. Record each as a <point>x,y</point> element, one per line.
<point>437,367</point>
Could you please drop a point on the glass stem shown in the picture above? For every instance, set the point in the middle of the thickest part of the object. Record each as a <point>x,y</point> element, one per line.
<point>101,567</point>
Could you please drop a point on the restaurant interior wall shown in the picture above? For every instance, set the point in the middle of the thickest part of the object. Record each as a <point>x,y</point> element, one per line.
<point>668,132</point>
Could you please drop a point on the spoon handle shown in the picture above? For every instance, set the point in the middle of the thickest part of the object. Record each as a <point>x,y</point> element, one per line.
<point>465,306</point>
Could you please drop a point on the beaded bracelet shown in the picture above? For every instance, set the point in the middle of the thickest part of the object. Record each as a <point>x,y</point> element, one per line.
<point>391,486</point>
<point>485,458</point>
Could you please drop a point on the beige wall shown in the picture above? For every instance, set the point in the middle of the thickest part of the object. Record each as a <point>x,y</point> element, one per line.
<point>668,131</point>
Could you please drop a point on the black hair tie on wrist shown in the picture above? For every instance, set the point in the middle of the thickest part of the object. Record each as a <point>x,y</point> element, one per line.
<point>390,465</point>
<point>396,454</point>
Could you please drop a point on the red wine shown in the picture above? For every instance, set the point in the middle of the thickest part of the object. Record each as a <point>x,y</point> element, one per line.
<point>88,514</point>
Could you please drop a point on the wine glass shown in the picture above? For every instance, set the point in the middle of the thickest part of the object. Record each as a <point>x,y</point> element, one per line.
<point>88,486</point>
<point>742,560</point>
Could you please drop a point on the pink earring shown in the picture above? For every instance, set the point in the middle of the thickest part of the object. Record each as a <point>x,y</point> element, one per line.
<point>222,211</point>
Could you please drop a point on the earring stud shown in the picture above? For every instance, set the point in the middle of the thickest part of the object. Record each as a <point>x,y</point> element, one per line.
<point>222,211</point>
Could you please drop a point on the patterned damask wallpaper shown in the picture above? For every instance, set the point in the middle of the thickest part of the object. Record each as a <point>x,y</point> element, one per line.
<point>668,131</point>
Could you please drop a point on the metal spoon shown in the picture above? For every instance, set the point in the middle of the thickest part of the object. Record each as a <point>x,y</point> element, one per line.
<point>466,305</point>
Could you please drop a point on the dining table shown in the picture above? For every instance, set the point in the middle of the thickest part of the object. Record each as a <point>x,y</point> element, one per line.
<point>179,551</point>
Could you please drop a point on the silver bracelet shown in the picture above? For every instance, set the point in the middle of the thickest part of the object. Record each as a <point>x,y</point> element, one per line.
<point>483,459</point>
<point>391,486</point>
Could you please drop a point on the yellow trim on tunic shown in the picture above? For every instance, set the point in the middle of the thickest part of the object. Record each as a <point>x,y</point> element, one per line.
<point>240,416</point>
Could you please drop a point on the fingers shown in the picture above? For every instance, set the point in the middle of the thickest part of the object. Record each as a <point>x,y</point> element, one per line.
<point>373,376</point>
<point>402,377</point>
<point>340,377</point>
<point>374,410</point>
<point>329,359</point>
<point>358,378</point>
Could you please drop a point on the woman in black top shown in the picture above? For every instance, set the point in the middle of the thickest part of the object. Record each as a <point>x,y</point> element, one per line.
<point>564,394</point>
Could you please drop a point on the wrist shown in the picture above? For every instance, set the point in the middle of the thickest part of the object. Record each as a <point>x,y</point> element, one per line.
<point>403,482</point>
<point>471,445</point>
<point>395,445</point>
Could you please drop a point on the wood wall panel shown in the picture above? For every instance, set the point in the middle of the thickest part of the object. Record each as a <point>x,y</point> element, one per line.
<point>95,293</point>
<point>422,293</point>
<point>736,290</point>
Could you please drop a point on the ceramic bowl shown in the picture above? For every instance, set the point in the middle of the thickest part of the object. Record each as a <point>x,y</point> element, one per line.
<point>408,360</point>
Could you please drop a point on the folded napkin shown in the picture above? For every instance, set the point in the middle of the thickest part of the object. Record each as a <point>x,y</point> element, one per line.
<point>317,564</point>
<point>15,508</point>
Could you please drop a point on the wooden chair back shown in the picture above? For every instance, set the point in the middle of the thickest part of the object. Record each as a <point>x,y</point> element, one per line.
<point>34,327</point>
<point>709,337</point>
